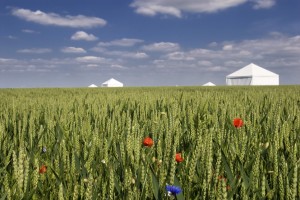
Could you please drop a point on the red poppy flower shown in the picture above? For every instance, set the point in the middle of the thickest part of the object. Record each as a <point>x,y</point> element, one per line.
<point>43,169</point>
<point>238,122</point>
<point>178,157</point>
<point>148,142</point>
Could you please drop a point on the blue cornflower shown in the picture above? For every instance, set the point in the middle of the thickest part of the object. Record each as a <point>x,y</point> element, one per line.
<point>173,190</point>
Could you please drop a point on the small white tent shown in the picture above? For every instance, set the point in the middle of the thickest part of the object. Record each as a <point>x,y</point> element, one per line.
<point>209,84</point>
<point>252,75</point>
<point>112,83</point>
<point>93,86</point>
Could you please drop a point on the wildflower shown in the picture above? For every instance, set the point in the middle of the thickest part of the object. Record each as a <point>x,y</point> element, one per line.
<point>173,190</point>
<point>178,157</point>
<point>103,161</point>
<point>148,142</point>
<point>222,178</point>
<point>44,150</point>
<point>228,187</point>
<point>238,122</point>
<point>43,169</point>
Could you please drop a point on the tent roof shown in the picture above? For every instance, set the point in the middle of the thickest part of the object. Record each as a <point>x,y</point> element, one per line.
<point>93,85</point>
<point>209,84</point>
<point>112,81</point>
<point>251,70</point>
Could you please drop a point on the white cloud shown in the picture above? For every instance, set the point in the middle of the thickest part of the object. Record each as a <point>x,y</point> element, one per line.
<point>29,31</point>
<point>91,59</point>
<point>92,65</point>
<point>73,50</point>
<point>81,35</point>
<point>8,60</point>
<point>179,56</point>
<point>227,47</point>
<point>124,42</point>
<point>162,47</point>
<point>176,7</point>
<point>152,10</point>
<point>206,63</point>
<point>276,52</point>
<point>125,54</point>
<point>213,44</point>
<point>35,50</point>
<point>32,65</point>
<point>79,21</point>
<point>259,4</point>
<point>140,55</point>
<point>117,66</point>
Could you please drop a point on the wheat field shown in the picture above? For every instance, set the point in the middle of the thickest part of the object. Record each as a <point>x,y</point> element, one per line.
<point>130,143</point>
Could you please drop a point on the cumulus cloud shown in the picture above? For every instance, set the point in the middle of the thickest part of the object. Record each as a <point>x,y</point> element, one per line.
<point>162,47</point>
<point>206,63</point>
<point>32,65</point>
<point>124,54</point>
<point>117,66</point>
<point>35,50</point>
<point>276,52</point>
<point>124,42</point>
<point>91,59</point>
<point>260,4</point>
<point>177,7</point>
<point>179,56</point>
<point>140,55</point>
<point>227,47</point>
<point>8,61</point>
<point>73,50</point>
<point>152,10</point>
<point>81,35</point>
<point>40,17</point>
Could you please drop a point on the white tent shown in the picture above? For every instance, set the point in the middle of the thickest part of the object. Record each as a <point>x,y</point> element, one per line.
<point>112,83</point>
<point>252,75</point>
<point>209,84</point>
<point>93,86</point>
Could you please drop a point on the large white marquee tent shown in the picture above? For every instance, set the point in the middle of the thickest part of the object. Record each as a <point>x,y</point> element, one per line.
<point>252,75</point>
<point>112,83</point>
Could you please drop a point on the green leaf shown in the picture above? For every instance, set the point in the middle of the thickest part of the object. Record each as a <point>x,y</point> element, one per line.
<point>117,185</point>
<point>4,197</point>
<point>229,173</point>
<point>155,185</point>
<point>244,176</point>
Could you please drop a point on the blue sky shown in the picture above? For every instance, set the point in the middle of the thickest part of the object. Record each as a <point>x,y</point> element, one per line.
<point>145,42</point>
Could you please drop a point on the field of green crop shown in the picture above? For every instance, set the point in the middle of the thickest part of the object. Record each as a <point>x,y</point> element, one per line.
<point>130,143</point>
